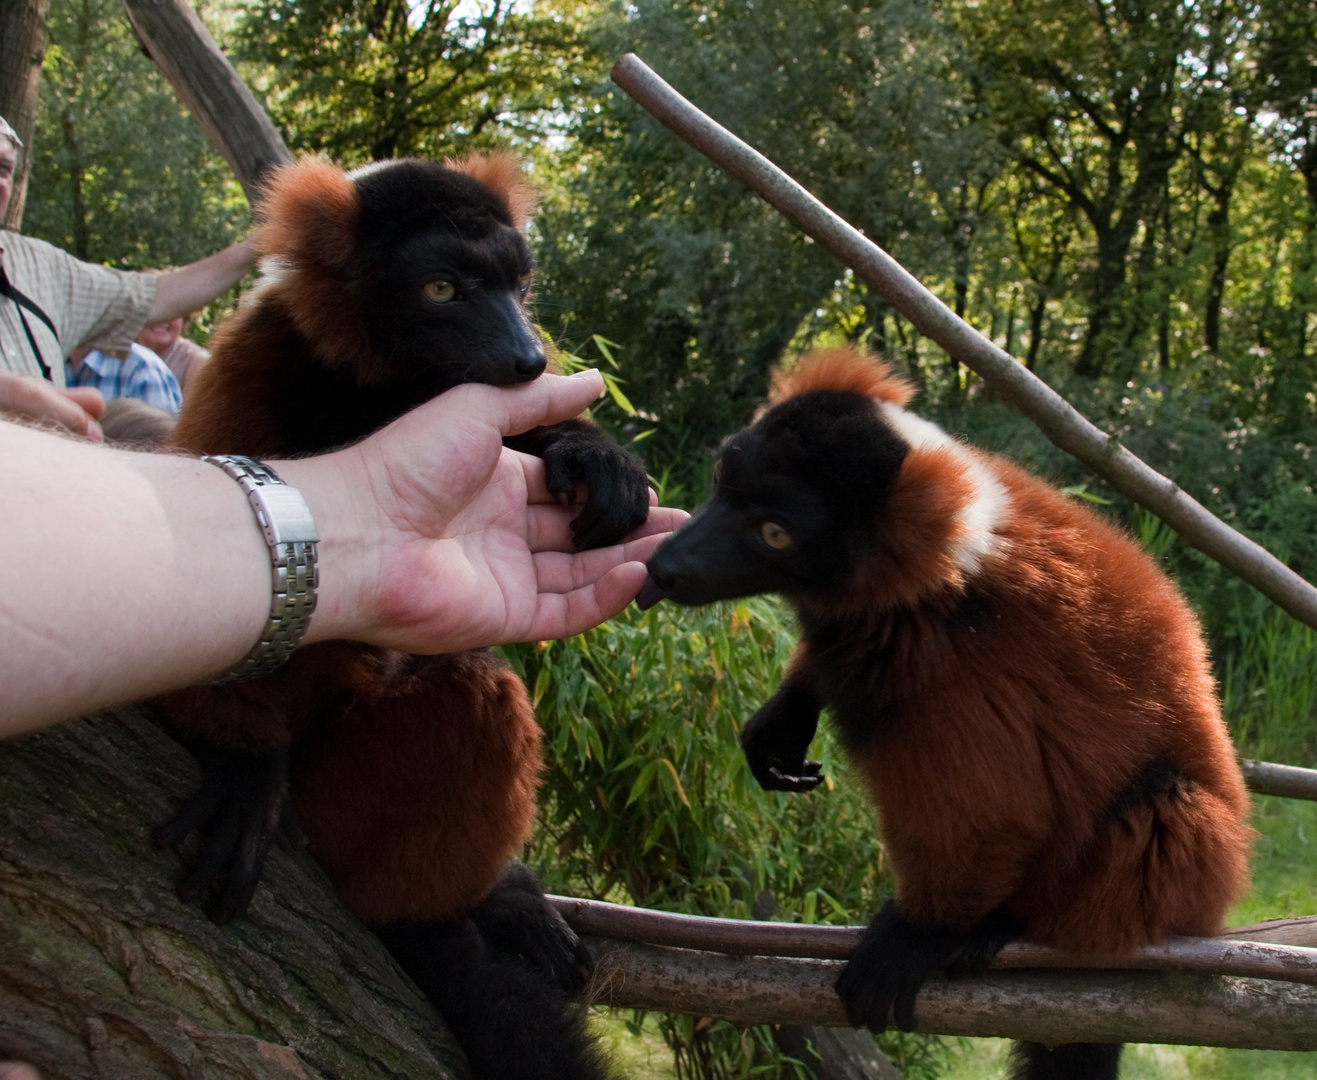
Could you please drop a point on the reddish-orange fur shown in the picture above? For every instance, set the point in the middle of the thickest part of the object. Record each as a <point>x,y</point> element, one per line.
<point>452,742</point>
<point>836,369</point>
<point>309,212</point>
<point>502,174</point>
<point>418,780</point>
<point>999,782</point>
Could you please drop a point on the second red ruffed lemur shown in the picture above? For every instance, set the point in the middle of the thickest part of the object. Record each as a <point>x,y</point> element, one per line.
<point>1023,692</point>
<point>413,777</point>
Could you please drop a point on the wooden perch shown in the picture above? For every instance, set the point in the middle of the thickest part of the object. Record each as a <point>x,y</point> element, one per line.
<point>1059,421</point>
<point>1046,1006</point>
<point>227,111</point>
<point>1205,956</point>
<point>1208,992</point>
<point>1289,781</point>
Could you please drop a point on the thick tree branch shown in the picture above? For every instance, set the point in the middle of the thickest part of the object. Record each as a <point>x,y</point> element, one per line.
<point>105,972</point>
<point>1059,421</point>
<point>1044,1006</point>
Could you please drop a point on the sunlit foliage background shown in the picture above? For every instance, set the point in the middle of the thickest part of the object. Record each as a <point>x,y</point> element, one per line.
<point>1122,194</point>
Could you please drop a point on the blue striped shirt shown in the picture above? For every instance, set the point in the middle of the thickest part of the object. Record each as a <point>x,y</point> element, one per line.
<point>142,375</point>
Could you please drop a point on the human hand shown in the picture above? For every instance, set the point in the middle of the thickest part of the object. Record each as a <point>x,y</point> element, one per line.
<point>75,409</point>
<point>437,538</point>
<point>17,1070</point>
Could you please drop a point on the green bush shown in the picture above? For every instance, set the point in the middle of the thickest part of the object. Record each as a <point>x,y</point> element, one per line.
<point>647,798</point>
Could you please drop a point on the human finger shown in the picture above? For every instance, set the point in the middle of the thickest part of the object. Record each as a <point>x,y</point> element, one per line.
<point>88,398</point>
<point>560,615</point>
<point>562,573</point>
<point>35,398</point>
<point>547,400</point>
<point>548,526</point>
<point>18,1070</point>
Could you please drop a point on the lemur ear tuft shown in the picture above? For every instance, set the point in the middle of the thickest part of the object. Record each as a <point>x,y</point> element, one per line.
<point>843,369</point>
<point>309,212</point>
<point>310,217</point>
<point>504,175</point>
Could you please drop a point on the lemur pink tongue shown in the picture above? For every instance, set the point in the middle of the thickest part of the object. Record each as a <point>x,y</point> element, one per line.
<point>650,594</point>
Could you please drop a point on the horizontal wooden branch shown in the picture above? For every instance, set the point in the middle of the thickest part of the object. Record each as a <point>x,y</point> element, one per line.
<point>1045,1006</point>
<point>1204,956</point>
<point>1301,931</point>
<point>1057,419</point>
<point>1289,781</point>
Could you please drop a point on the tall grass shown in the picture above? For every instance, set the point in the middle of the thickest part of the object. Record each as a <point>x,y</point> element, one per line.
<point>1268,677</point>
<point>647,798</point>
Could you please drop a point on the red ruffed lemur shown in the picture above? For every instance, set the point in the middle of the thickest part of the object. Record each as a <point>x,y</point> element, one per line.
<point>1024,693</point>
<point>411,778</point>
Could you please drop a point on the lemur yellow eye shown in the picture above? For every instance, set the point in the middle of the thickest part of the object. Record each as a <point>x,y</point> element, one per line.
<point>439,292</point>
<point>718,471</point>
<point>774,536</point>
<point>524,282</point>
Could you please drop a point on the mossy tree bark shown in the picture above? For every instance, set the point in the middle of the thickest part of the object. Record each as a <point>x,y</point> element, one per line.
<point>105,973</point>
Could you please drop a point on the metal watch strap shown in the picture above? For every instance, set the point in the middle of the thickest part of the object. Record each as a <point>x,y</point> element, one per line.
<point>290,532</point>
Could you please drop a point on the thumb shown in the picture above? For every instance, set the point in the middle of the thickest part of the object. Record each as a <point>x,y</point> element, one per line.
<point>547,400</point>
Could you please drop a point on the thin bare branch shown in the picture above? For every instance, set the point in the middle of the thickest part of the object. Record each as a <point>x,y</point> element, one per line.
<point>1202,956</point>
<point>1268,778</point>
<point>1058,420</point>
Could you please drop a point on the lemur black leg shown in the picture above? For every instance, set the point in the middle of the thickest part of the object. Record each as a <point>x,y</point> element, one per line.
<point>242,807</point>
<point>500,979</point>
<point>517,919</point>
<point>617,489</point>
<point>895,956</point>
<point>1070,1061</point>
<point>776,737</point>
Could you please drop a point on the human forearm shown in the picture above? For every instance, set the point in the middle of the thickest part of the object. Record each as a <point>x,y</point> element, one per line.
<point>189,288</point>
<point>434,538</point>
<point>144,572</point>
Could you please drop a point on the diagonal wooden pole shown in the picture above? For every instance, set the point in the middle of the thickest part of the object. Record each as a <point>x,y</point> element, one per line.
<point>1057,419</point>
<point>221,103</point>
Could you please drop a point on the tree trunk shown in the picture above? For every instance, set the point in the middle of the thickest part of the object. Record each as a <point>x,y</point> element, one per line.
<point>104,973</point>
<point>22,46</point>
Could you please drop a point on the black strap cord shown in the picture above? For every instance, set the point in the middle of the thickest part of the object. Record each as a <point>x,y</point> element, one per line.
<point>21,301</point>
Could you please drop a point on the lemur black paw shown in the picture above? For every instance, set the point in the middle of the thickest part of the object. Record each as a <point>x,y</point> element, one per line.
<point>242,807</point>
<point>895,957</point>
<point>776,738</point>
<point>516,918</point>
<point>617,488</point>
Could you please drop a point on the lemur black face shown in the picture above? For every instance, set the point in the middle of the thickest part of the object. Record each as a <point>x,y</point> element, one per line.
<point>446,279</point>
<point>797,495</point>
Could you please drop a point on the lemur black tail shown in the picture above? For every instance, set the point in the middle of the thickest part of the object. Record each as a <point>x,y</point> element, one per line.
<point>503,979</point>
<point>1070,1061</point>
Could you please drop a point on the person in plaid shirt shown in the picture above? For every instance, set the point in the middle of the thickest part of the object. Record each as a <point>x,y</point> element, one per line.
<point>51,303</point>
<point>142,374</point>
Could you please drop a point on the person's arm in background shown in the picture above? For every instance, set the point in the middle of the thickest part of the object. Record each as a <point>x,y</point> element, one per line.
<point>186,289</point>
<point>434,538</point>
<point>75,409</point>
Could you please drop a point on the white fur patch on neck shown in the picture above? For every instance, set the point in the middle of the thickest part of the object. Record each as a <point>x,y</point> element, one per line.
<point>977,538</point>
